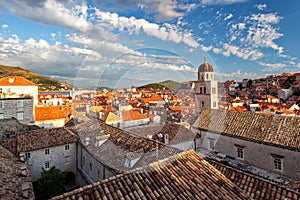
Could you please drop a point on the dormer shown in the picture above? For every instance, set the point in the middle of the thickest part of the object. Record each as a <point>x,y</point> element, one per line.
<point>101,139</point>
<point>132,158</point>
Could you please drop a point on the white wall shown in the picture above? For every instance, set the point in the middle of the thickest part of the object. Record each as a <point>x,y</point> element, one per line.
<point>56,158</point>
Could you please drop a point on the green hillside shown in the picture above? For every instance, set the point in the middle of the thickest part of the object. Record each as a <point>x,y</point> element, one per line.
<point>44,83</point>
<point>171,85</point>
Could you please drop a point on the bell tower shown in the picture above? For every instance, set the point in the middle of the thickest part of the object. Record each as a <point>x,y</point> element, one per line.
<point>206,88</point>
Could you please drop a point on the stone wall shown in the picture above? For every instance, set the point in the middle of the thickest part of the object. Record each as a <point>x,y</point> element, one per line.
<point>56,157</point>
<point>255,154</point>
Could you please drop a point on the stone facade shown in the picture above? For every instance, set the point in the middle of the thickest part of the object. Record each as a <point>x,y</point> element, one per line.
<point>254,154</point>
<point>90,167</point>
<point>62,157</point>
<point>20,108</point>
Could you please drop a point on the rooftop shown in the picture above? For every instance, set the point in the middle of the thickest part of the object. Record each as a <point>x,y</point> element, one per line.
<point>15,182</point>
<point>274,130</point>
<point>15,81</point>
<point>255,187</point>
<point>121,144</point>
<point>48,113</point>
<point>176,133</point>
<point>183,176</point>
<point>39,139</point>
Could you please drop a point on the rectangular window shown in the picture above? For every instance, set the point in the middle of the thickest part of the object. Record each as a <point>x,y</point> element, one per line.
<point>67,160</point>
<point>47,165</point>
<point>278,164</point>
<point>211,144</point>
<point>67,147</point>
<point>20,116</point>
<point>214,104</point>
<point>47,151</point>
<point>20,103</point>
<point>1,116</point>
<point>1,104</point>
<point>27,155</point>
<point>240,152</point>
<point>213,90</point>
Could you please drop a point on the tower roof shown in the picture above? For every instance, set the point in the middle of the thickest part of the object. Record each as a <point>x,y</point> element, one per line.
<point>205,67</point>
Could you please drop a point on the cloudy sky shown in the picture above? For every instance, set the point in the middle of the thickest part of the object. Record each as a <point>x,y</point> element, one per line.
<point>122,43</point>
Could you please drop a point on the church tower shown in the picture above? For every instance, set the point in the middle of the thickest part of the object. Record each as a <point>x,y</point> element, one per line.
<point>206,88</point>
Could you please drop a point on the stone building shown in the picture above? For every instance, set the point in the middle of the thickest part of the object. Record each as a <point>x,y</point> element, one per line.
<point>45,148</point>
<point>268,142</point>
<point>105,151</point>
<point>182,176</point>
<point>205,88</point>
<point>20,108</point>
<point>20,86</point>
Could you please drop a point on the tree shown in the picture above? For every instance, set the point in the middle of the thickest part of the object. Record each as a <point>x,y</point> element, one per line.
<point>289,81</point>
<point>51,183</point>
<point>249,83</point>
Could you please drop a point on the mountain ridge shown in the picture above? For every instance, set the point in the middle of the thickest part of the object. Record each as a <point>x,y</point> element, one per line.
<point>45,83</point>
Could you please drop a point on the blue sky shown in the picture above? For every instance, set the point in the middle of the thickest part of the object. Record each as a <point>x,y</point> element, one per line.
<point>123,43</point>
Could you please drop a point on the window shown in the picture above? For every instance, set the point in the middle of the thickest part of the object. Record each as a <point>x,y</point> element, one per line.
<point>91,167</point>
<point>278,164</point>
<point>20,116</point>
<point>214,104</point>
<point>1,115</point>
<point>204,90</point>
<point>67,147</point>
<point>214,90</point>
<point>211,144</point>
<point>200,90</point>
<point>27,155</point>
<point>202,103</point>
<point>47,151</point>
<point>240,152</point>
<point>47,165</point>
<point>206,76</point>
<point>1,104</point>
<point>67,160</point>
<point>20,103</point>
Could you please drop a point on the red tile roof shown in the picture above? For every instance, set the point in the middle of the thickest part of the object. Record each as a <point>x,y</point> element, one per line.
<point>255,187</point>
<point>15,81</point>
<point>39,139</point>
<point>183,176</point>
<point>15,177</point>
<point>48,113</point>
<point>131,115</point>
<point>268,129</point>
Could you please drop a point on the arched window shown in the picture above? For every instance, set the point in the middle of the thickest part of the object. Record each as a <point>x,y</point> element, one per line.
<point>206,76</point>
<point>200,90</point>
<point>204,90</point>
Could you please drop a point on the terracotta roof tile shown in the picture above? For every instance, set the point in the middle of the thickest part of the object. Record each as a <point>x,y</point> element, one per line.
<point>255,187</point>
<point>39,139</point>
<point>133,115</point>
<point>176,133</point>
<point>183,176</point>
<point>48,113</point>
<point>15,81</point>
<point>268,129</point>
<point>120,144</point>
<point>15,177</point>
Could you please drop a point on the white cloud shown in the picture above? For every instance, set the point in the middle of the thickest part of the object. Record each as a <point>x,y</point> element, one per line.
<point>221,2</point>
<point>4,26</point>
<point>244,53</point>
<point>298,65</point>
<point>228,17</point>
<point>272,66</point>
<point>207,48</point>
<point>166,32</point>
<point>261,6</point>
<point>217,50</point>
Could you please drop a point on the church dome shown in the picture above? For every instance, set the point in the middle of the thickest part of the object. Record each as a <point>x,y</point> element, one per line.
<point>205,67</point>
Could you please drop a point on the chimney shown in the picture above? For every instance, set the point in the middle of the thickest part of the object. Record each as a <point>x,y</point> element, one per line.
<point>166,138</point>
